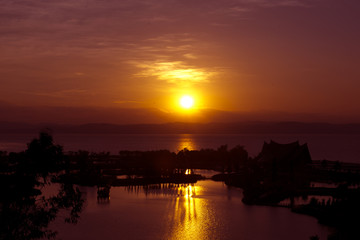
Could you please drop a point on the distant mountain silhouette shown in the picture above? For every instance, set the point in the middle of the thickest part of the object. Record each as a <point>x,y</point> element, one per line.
<point>117,115</point>
<point>181,127</point>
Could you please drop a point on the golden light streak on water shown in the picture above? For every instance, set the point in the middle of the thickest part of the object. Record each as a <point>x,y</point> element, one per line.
<point>185,141</point>
<point>190,218</point>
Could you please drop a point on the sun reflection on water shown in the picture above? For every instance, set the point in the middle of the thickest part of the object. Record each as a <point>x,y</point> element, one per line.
<point>186,141</point>
<point>190,219</point>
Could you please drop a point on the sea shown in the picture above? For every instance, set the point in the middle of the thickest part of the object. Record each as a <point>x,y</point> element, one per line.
<point>335,147</point>
<point>204,210</point>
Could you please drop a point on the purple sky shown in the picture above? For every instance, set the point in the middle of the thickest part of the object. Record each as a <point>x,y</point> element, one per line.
<point>253,56</point>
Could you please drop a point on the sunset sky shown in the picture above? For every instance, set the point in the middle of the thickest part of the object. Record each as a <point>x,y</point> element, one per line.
<point>134,59</point>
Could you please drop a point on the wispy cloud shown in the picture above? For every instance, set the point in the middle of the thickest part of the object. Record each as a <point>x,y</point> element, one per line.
<point>156,19</point>
<point>190,56</point>
<point>173,37</point>
<point>276,3</point>
<point>239,9</point>
<point>59,94</point>
<point>128,102</point>
<point>174,72</point>
<point>94,27</point>
<point>243,8</point>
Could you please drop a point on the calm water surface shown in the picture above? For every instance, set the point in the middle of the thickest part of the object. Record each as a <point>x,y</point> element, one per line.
<point>205,210</point>
<point>322,146</point>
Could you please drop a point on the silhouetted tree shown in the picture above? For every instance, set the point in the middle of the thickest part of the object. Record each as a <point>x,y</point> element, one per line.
<point>43,156</point>
<point>337,166</point>
<point>24,212</point>
<point>27,216</point>
<point>238,157</point>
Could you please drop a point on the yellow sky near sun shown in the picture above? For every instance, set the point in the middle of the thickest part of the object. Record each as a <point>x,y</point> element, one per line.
<point>175,72</point>
<point>177,79</point>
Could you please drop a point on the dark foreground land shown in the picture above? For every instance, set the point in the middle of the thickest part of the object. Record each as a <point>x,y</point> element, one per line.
<point>279,176</point>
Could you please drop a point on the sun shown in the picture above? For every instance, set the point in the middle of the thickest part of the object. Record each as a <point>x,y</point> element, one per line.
<point>186,101</point>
